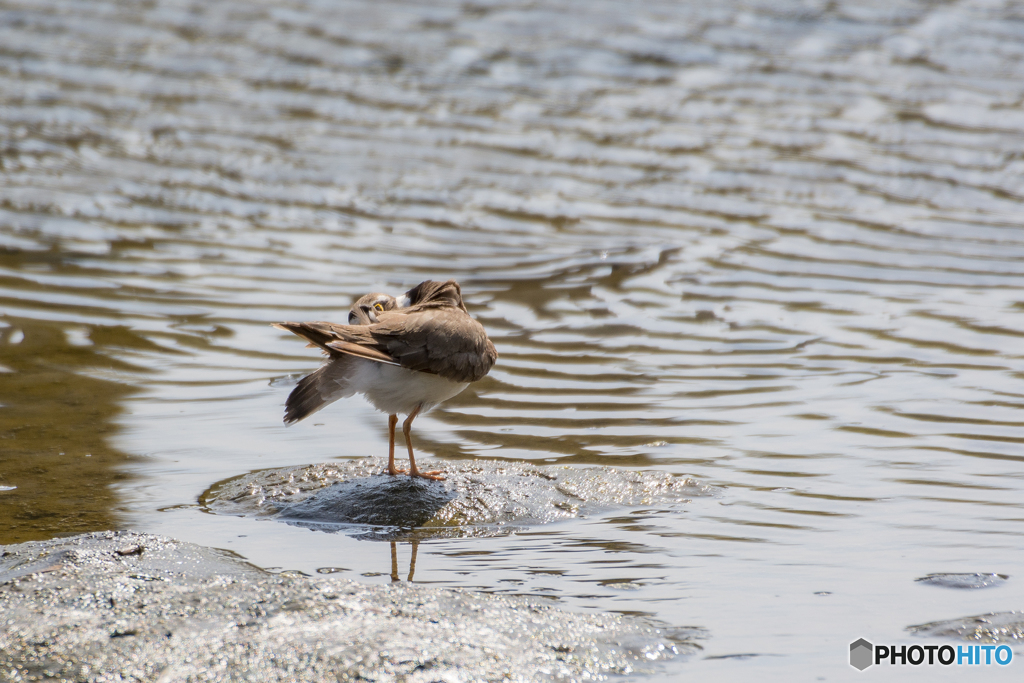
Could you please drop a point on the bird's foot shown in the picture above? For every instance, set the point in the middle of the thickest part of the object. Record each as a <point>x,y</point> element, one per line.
<point>433,475</point>
<point>394,470</point>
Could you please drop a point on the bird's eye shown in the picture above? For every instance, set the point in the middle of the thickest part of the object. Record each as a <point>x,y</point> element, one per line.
<point>379,307</point>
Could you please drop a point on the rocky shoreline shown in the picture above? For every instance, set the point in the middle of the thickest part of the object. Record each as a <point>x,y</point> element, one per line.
<point>126,606</point>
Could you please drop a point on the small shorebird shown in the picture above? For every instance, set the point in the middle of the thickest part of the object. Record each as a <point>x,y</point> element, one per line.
<point>404,355</point>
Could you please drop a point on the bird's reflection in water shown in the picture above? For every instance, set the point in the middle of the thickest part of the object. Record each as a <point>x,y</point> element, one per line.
<point>378,508</point>
<point>415,544</point>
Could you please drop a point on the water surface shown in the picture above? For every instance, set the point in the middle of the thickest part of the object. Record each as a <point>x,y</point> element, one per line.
<point>776,247</point>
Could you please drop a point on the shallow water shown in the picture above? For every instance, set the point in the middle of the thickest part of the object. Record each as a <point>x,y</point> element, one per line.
<point>776,247</point>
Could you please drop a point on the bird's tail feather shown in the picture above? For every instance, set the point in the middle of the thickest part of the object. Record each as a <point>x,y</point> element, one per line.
<point>319,388</point>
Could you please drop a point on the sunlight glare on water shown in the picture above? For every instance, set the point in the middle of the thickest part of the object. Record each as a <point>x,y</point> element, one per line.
<point>776,247</point>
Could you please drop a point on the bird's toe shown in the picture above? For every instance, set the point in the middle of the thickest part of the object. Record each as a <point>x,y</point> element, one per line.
<point>434,475</point>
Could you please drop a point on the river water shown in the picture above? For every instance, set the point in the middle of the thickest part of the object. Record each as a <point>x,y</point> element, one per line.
<point>777,247</point>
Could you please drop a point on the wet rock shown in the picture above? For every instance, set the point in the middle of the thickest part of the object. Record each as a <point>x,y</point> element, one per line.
<point>380,500</point>
<point>477,498</point>
<point>996,627</point>
<point>964,580</point>
<point>93,608</point>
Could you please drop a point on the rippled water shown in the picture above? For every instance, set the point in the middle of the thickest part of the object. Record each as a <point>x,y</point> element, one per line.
<point>776,247</point>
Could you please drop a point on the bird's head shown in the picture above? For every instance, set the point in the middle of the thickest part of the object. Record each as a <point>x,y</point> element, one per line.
<point>364,311</point>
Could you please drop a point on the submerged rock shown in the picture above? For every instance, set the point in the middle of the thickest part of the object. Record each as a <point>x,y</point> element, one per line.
<point>477,498</point>
<point>122,606</point>
<point>995,627</point>
<point>966,580</point>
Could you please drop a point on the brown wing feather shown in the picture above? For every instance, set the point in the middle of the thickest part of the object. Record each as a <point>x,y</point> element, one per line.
<point>326,336</point>
<point>444,341</point>
<point>307,331</point>
<point>368,352</point>
<point>434,335</point>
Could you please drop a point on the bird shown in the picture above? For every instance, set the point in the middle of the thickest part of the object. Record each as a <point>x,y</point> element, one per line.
<point>405,355</point>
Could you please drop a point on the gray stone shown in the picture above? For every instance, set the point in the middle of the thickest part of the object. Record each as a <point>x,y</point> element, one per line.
<point>478,498</point>
<point>123,606</point>
<point>995,627</point>
<point>978,580</point>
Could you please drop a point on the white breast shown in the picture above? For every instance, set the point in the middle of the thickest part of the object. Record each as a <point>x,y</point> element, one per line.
<point>393,390</point>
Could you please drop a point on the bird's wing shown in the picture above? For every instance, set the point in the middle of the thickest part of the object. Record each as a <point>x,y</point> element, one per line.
<point>327,337</point>
<point>434,292</point>
<point>443,341</point>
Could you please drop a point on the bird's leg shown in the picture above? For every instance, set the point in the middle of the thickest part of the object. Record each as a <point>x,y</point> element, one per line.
<point>392,421</point>
<point>406,428</point>
<point>394,563</point>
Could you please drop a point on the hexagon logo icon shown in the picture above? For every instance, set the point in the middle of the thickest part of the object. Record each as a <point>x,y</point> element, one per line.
<point>861,654</point>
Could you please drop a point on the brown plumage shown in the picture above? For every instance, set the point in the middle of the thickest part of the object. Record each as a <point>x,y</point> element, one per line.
<point>432,335</point>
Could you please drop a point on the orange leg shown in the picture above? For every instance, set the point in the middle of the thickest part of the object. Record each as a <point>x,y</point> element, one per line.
<point>392,421</point>
<point>413,471</point>
<point>412,562</point>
